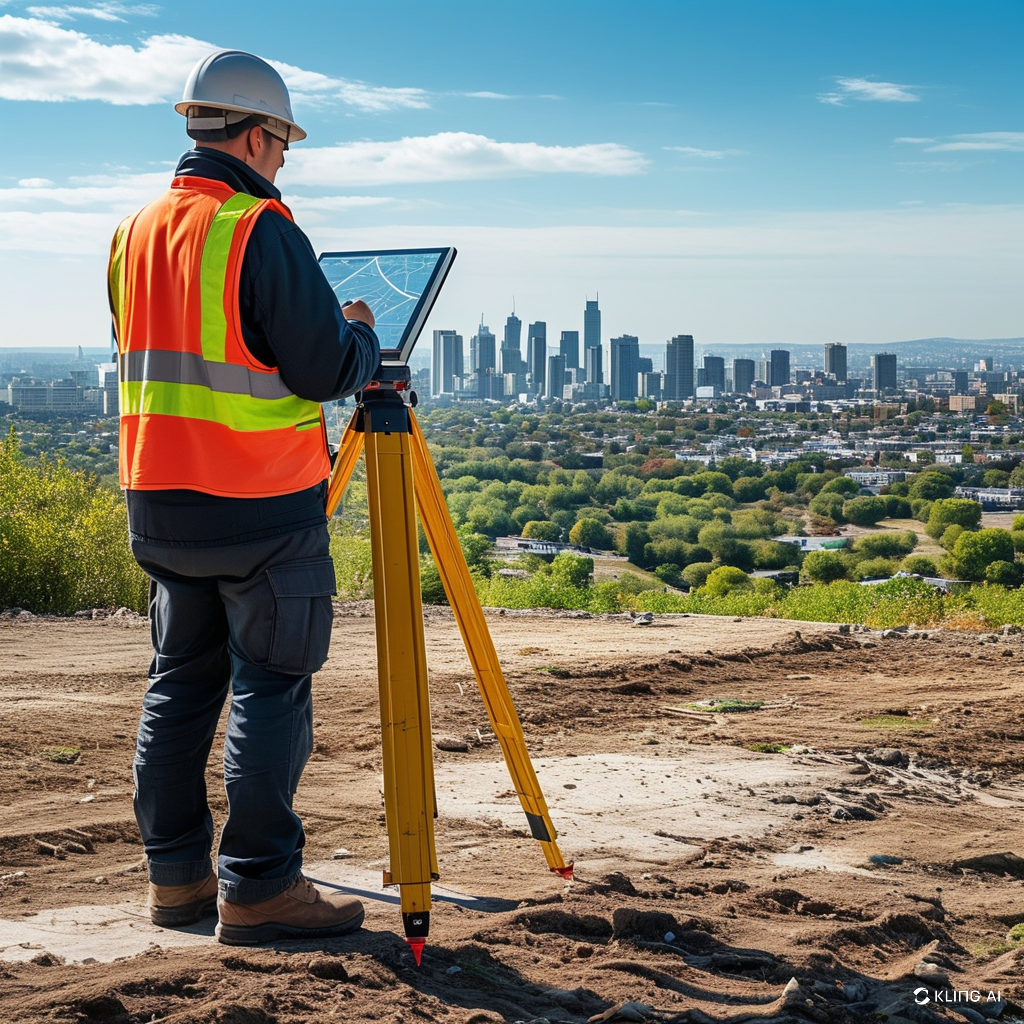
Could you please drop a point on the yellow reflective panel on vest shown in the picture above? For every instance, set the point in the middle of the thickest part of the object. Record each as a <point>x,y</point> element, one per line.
<point>239,412</point>
<point>116,278</point>
<point>214,273</point>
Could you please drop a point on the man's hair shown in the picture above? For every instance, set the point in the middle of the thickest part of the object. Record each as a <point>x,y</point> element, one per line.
<point>225,124</point>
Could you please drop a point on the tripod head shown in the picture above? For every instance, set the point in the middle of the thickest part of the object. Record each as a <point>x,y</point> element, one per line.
<point>383,406</point>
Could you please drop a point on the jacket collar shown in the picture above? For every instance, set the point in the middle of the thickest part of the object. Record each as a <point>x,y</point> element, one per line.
<point>217,166</point>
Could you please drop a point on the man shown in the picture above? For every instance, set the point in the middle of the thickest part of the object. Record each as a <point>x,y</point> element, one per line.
<point>229,337</point>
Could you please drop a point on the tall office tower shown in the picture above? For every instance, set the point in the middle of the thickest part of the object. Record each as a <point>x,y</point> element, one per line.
<point>446,368</point>
<point>569,346</point>
<point>678,382</point>
<point>883,371</point>
<point>536,356</point>
<point>646,365</point>
<point>592,338</point>
<point>482,351</point>
<point>593,370</point>
<point>714,373</point>
<point>959,382</point>
<point>625,368</point>
<point>742,376</point>
<point>511,345</point>
<point>779,369</point>
<point>762,370</point>
<point>835,362</point>
<point>556,376</point>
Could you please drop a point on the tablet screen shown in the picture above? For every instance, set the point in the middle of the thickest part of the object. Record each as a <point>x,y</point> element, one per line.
<point>399,286</point>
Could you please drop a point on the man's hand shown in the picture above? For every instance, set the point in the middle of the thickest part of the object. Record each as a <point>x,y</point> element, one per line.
<point>358,310</point>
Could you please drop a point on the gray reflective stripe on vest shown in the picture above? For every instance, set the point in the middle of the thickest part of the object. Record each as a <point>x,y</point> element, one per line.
<point>189,368</point>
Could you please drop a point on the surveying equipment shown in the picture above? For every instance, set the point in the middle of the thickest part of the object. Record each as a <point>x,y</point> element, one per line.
<point>400,477</point>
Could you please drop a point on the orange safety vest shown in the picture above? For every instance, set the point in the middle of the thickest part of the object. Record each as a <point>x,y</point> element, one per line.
<point>197,410</point>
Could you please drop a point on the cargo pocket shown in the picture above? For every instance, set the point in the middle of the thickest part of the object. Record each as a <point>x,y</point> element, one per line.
<point>303,614</point>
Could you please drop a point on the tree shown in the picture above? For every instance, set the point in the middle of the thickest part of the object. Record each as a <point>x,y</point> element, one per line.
<point>634,541</point>
<point>973,553</point>
<point>696,573</point>
<point>824,567</point>
<point>749,488</point>
<point>949,511</point>
<point>886,544</point>
<point>591,533</point>
<point>573,570</point>
<point>922,565</point>
<point>542,529</point>
<point>1007,574</point>
<point>725,579</point>
<point>931,485</point>
<point>841,485</point>
<point>865,511</point>
<point>828,506</point>
<point>875,568</point>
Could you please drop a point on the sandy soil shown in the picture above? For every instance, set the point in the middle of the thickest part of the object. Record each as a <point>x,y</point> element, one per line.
<point>876,856</point>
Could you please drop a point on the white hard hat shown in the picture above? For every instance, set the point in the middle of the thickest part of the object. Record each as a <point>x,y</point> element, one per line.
<point>229,86</point>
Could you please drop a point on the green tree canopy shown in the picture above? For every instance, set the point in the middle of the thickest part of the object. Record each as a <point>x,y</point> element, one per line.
<point>591,533</point>
<point>973,553</point>
<point>824,567</point>
<point>949,511</point>
<point>866,511</point>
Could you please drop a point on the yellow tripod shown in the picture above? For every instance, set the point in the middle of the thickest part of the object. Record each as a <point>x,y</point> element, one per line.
<point>400,476</point>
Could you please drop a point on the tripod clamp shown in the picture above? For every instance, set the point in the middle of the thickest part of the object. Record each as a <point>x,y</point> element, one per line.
<point>382,407</point>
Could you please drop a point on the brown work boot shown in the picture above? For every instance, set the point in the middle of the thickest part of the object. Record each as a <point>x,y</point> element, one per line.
<point>300,912</point>
<point>171,906</point>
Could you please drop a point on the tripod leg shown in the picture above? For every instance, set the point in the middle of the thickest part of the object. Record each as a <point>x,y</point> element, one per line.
<point>402,675</point>
<point>348,455</point>
<point>458,585</point>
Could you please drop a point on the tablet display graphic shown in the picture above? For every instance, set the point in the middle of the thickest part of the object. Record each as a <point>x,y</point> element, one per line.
<point>399,286</point>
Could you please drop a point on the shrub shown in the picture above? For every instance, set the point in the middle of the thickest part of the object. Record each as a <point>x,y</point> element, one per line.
<point>974,552</point>
<point>572,570</point>
<point>931,485</point>
<point>953,511</point>
<point>431,587</point>
<point>1007,574</point>
<point>886,544</point>
<point>950,536</point>
<point>725,579</point>
<point>922,565</point>
<point>590,533</point>
<point>541,529</point>
<point>865,511</point>
<point>1018,521</point>
<point>824,567</point>
<point>64,539</point>
<point>696,574</point>
<point>828,506</point>
<point>875,568</point>
<point>921,508</point>
<point>898,507</point>
<point>749,488</point>
<point>1018,537</point>
<point>841,485</point>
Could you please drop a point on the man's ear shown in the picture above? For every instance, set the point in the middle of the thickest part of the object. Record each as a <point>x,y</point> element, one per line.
<point>255,139</point>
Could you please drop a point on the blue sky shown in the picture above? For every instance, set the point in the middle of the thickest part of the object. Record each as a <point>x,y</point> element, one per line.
<point>745,172</point>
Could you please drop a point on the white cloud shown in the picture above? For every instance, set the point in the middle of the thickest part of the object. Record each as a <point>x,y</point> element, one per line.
<point>484,95</point>
<point>39,60</point>
<point>452,156</point>
<point>913,139</point>
<point>100,11</point>
<point>868,89</point>
<point>704,154</point>
<point>35,182</point>
<point>1006,142</point>
<point>117,194</point>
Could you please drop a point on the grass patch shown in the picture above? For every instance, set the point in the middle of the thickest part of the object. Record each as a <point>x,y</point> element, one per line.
<point>61,755</point>
<point>896,722</point>
<point>524,651</point>
<point>1016,933</point>
<point>726,706</point>
<point>556,671</point>
<point>768,748</point>
<point>991,948</point>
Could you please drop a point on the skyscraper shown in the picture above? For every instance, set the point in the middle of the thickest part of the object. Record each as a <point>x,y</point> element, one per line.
<point>779,370</point>
<point>482,350</point>
<point>714,373</point>
<point>592,338</point>
<point>511,345</point>
<point>678,382</point>
<point>742,376</point>
<point>625,368</point>
<point>569,346</point>
<point>593,370</point>
<point>446,367</point>
<point>883,371</point>
<point>556,376</point>
<point>835,362</point>
<point>536,355</point>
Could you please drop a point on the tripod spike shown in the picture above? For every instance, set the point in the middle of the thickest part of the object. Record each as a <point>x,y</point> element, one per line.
<point>416,945</point>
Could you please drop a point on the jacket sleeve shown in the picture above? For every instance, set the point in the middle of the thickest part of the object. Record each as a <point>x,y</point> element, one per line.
<point>292,319</point>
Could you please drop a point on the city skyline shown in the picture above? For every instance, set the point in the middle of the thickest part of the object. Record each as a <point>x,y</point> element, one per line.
<point>820,173</point>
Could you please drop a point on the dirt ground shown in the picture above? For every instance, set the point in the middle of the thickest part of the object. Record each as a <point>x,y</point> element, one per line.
<point>868,871</point>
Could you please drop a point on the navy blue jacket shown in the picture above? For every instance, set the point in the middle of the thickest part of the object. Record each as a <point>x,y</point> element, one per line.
<point>291,319</point>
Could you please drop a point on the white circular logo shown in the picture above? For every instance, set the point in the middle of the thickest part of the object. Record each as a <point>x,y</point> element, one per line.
<point>921,996</point>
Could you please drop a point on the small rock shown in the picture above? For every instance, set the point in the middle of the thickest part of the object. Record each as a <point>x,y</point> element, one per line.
<point>791,993</point>
<point>932,974</point>
<point>342,854</point>
<point>454,969</point>
<point>452,744</point>
<point>100,880</point>
<point>670,936</point>
<point>886,755</point>
<point>854,991</point>
<point>844,628</point>
<point>1010,629</point>
<point>87,799</point>
<point>972,1015</point>
<point>329,968</point>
